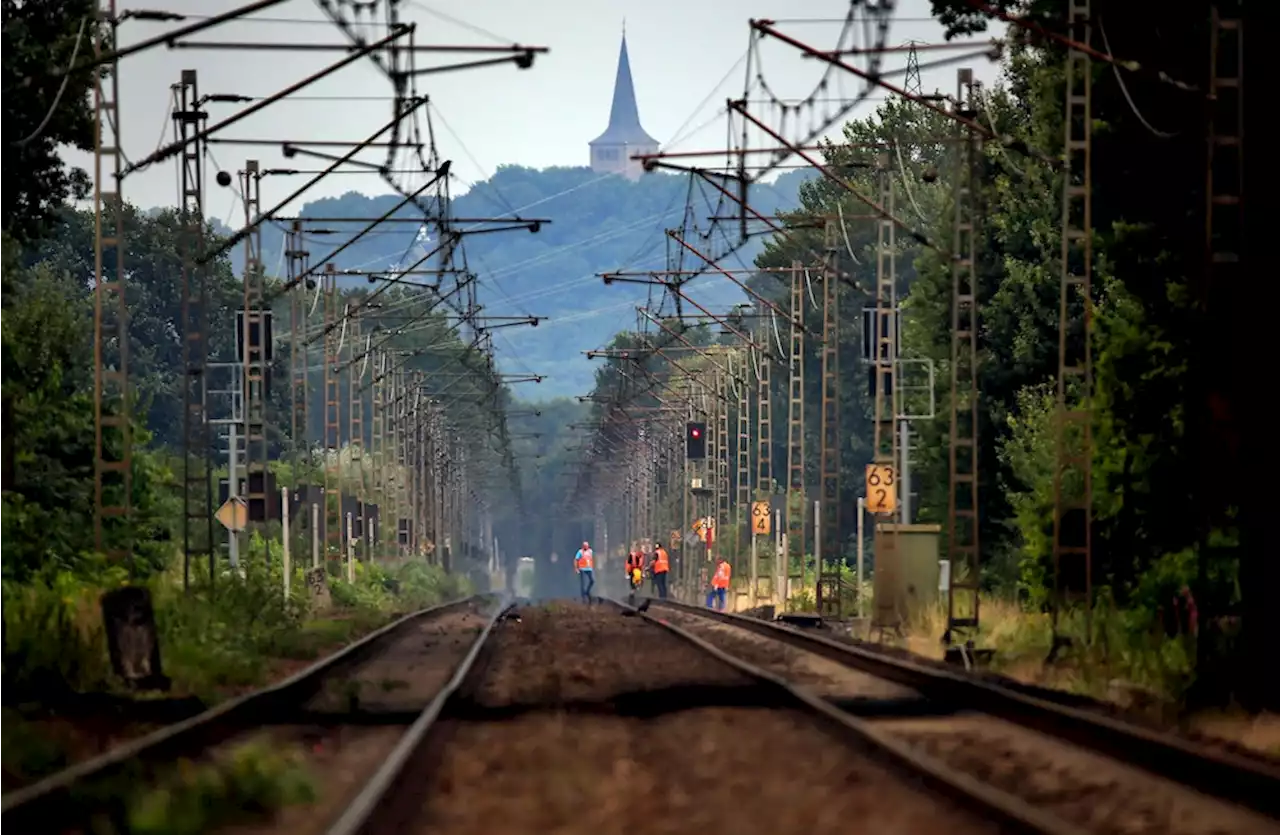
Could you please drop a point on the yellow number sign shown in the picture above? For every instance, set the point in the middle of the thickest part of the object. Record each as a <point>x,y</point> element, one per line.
<point>761,518</point>
<point>882,489</point>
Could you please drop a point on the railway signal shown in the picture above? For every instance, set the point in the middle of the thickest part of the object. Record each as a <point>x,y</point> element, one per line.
<point>695,441</point>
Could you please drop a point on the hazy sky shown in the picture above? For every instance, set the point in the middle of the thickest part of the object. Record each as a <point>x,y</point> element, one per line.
<point>686,57</point>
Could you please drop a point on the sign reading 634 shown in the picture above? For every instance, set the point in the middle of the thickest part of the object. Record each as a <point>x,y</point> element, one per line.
<point>761,518</point>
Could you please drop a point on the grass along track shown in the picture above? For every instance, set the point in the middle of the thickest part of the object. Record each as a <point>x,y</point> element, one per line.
<point>311,717</point>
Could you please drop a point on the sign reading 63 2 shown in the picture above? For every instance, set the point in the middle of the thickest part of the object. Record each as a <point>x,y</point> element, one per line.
<point>882,488</point>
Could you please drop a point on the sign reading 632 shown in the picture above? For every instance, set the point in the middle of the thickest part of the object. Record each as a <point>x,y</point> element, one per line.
<point>882,488</point>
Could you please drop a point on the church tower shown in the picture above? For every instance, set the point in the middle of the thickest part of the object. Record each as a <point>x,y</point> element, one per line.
<point>612,150</point>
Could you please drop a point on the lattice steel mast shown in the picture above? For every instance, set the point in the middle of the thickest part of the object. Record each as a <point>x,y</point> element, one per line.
<point>1073,475</point>
<point>796,573</point>
<point>197,470</point>
<point>332,416</point>
<point>113,432</point>
<point>828,533</point>
<point>962,505</point>
<point>765,569</point>
<point>255,349</point>
<point>355,425</point>
<point>296,264</point>
<point>885,453</point>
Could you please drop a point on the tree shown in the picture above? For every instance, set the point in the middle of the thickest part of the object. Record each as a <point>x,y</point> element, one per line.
<point>49,433</point>
<point>154,292</point>
<point>39,115</point>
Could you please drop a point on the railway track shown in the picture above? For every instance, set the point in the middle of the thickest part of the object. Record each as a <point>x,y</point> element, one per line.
<point>578,719</point>
<point>600,719</point>
<point>1090,772</point>
<point>347,711</point>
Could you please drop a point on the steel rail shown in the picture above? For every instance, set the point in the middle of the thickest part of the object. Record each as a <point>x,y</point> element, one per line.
<point>1007,809</point>
<point>359,813</point>
<point>39,807</point>
<point>1243,780</point>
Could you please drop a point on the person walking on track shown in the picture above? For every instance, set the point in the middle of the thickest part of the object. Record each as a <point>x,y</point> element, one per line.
<point>584,562</point>
<point>719,585</point>
<point>635,568</point>
<point>661,567</point>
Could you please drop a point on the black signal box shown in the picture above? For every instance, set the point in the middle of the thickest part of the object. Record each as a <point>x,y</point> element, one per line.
<point>695,441</point>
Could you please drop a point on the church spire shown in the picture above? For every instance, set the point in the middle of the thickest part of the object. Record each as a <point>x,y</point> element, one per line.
<point>624,116</point>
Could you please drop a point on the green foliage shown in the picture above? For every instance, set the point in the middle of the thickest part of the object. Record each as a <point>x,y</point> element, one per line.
<point>212,641</point>
<point>248,782</point>
<point>38,43</point>
<point>53,637</point>
<point>1148,344</point>
<point>154,294</point>
<point>49,433</point>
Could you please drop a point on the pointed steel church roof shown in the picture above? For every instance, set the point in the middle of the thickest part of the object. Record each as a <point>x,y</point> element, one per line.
<point>624,117</point>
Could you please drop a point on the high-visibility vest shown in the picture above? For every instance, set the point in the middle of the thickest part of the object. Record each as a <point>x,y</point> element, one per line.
<point>586,559</point>
<point>721,578</point>
<point>661,562</point>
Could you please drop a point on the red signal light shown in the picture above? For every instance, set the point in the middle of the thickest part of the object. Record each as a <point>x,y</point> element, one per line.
<point>695,432</point>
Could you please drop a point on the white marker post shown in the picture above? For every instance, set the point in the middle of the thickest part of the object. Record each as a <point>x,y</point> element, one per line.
<point>351,553</point>
<point>862,512</point>
<point>284,525</point>
<point>315,535</point>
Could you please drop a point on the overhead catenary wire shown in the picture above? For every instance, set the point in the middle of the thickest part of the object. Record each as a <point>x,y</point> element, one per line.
<point>62,89</point>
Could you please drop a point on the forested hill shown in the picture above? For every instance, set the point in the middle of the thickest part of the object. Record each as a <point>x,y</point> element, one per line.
<point>599,223</point>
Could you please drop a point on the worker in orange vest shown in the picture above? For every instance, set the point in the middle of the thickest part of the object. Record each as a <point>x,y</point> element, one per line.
<point>635,568</point>
<point>719,584</point>
<point>584,563</point>
<point>661,567</point>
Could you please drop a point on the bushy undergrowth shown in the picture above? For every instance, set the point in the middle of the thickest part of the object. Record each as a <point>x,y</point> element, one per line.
<point>213,637</point>
<point>251,781</point>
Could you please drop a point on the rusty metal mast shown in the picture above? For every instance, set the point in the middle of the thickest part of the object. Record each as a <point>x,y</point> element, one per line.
<point>1224,245</point>
<point>765,569</point>
<point>1073,474</point>
<point>113,433</point>
<point>962,505</point>
<point>355,420</point>
<point>795,437</point>
<point>888,395</point>
<point>723,493</point>
<point>197,472</point>
<point>255,347</point>
<point>828,532</point>
<point>296,264</point>
<point>332,416</point>
<point>742,517</point>
<point>405,510</point>
<point>378,443</point>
